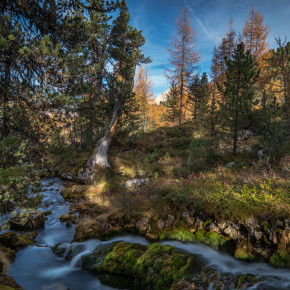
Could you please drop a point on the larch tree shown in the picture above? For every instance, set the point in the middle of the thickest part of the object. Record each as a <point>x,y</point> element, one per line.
<point>223,52</point>
<point>143,91</point>
<point>255,34</point>
<point>184,56</point>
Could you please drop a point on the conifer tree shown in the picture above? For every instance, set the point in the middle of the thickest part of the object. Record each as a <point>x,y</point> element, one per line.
<point>184,56</point>
<point>255,34</point>
<point>171,104</point>
<point>280,67</point>
<point>238,92</point>
<point>125,43</point>
<point>143,90</point>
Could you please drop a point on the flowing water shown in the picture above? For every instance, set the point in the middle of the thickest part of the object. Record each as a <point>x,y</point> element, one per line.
<point>37,267</point>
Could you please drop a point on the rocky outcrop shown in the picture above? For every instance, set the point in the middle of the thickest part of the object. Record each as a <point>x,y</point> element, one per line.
<point>248,240</point>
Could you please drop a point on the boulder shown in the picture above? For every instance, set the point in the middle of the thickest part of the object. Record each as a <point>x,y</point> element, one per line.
<point>133,183</point>
<point>35,221</point>
<point>12,241</point>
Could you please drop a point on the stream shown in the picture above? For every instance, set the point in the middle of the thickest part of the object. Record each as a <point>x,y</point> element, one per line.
<point>37,267</point>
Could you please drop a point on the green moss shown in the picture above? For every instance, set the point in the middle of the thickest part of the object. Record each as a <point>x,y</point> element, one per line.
<point>159,264</point>
<point>280,259</point>
<point>200,236</point>
<point>207,222</point>
<point>243,252</point>
<point>179,234</point>
<point>215,240</point>
<point>243,281</point>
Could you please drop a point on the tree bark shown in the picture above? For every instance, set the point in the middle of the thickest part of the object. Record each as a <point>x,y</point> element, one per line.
<point>99,157</point>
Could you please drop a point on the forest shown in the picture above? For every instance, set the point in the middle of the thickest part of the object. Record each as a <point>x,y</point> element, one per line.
<point>103,187</point>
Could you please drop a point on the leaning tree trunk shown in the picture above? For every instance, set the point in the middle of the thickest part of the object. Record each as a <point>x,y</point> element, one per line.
<point>99,157</point>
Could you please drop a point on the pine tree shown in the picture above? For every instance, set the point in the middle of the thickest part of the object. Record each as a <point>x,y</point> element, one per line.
<point>171,104</point>
<point>125,53</point>
<point>238,92</point>
<point>184,56</point>
<point>194,95</point>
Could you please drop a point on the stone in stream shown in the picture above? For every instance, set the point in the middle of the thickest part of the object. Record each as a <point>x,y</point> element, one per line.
<point>34,221</point>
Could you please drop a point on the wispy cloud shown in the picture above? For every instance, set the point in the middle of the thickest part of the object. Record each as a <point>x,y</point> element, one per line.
<point>210,36</point>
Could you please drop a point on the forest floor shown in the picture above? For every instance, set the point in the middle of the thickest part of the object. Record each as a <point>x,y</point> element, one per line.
<point>243,210</point>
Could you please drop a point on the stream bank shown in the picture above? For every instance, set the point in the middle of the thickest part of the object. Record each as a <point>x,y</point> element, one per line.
<point>126,261</point>
<point>103,215</point>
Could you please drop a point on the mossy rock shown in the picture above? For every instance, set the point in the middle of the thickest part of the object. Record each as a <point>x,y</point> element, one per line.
<point>245,281</point>
<point>216,240</point>
<point>280,259</point>
<point>68,218</point>
<point>35,221</point>
<point>156,264</point>
<point>244,252</point>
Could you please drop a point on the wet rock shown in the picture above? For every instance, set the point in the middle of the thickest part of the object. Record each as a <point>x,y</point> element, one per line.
<point>159,265</point>
<point>69,219</point>
<point>133,183</point>
<point>47,212</point>
<point>32,235</point>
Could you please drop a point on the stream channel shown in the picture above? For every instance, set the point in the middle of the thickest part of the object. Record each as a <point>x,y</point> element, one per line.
<point>37,267</point>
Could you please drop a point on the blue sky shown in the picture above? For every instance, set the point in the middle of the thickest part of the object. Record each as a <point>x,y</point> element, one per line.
<point>156,18</point>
